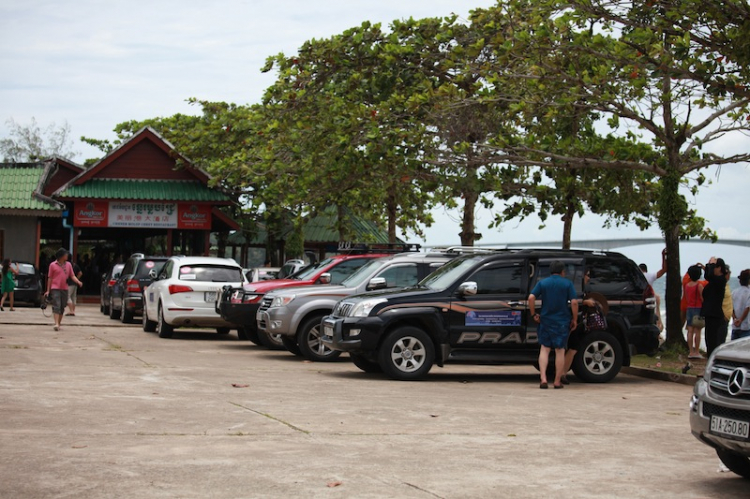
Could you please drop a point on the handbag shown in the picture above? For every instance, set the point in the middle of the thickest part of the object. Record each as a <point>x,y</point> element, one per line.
<point>698,321</point>
<point>595,321</point>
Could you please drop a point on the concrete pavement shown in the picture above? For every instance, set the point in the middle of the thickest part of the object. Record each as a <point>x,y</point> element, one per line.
<point>101,409</point>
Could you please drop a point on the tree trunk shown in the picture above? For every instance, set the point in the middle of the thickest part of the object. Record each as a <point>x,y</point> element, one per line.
<point>570,213</point>
<point>392,214</point>
<point>468,229</point>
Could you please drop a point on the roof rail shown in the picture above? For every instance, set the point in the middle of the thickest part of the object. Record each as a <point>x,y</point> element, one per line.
<point>469,249</point>
<point>362,248</point>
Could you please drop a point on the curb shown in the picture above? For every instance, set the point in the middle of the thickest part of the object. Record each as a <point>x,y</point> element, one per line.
<point>683,379</point>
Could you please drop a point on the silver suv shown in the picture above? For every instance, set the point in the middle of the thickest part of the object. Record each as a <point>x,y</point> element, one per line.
<point>720,406</point>
<point>295,313</point>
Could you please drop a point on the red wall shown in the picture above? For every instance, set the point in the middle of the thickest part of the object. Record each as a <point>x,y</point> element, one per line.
<point>144,161</point>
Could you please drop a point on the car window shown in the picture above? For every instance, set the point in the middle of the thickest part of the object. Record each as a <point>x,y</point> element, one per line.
<point>362,273</point>
<point>449,273</point>
<point>615,277</point>
<point>166,271</point>
<point>401,275</point>
<point>308,272</point>
<point>495,279</point>
<point>210,273</point>
<point>129,267</point>
<point>345,269</point>
<point>25,268</point>
<point>573,272</point>
<point>146,266</point>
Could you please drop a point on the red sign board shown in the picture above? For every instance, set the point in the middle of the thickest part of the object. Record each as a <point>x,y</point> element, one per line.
<point>193,216</point>
<point>91,214</point>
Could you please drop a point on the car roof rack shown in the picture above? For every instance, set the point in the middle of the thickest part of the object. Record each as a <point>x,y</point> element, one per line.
<point>364,248</point>
<point>469,249</point>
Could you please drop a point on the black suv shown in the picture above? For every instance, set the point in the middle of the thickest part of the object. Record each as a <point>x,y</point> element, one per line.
<point>474,310</point>
<point>126,298</point>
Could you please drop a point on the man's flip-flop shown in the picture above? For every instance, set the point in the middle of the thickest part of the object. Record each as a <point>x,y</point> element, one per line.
<point>557,387</point>
<point>543,386</point>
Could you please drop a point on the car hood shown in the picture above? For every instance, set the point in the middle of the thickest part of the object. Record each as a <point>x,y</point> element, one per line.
<point>266,286</point>
<point>313,290</point>
<point>735,350</point>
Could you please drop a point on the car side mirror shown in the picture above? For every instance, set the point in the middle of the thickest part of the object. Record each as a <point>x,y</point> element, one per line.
<point>152,274</point>
<point>377,283</point>
<point>116,276</point>
<point>325,278</point>
<point>468,288</point>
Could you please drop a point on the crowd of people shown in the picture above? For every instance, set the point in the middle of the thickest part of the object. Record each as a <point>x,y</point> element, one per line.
<point>707,303</point>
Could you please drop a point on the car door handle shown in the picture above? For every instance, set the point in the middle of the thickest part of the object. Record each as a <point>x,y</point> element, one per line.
<point>515,303</point>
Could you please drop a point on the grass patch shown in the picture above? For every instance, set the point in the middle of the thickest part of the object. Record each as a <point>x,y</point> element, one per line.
<point>16,347</point>
<point>671,359</point>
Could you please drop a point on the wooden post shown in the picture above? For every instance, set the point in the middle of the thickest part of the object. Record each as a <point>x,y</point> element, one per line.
<point>207,242</point>
<point>169,242</point>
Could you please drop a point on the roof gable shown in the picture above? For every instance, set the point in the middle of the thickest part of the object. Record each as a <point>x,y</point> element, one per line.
<point>146,155</point>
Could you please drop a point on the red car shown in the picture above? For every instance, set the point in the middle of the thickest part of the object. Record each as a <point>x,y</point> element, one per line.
<point>239,305</point>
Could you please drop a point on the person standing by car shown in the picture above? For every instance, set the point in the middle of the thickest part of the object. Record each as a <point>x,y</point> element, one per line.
<point>73,289</point>
<point>556,319</point>
<point>8,285</point>
<point>57,284</point>
<point>693,293</point>
<point>574,340</point>
<point>713,300</point>
<point>741,312</point>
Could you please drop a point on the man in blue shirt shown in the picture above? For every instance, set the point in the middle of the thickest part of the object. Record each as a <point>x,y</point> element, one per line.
<point>556,320</point>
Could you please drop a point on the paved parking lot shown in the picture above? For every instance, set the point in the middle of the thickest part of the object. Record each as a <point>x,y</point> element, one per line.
<point>101,409</point>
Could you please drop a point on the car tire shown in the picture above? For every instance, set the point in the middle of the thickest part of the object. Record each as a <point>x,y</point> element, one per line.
<point>407,354</point>
<point>291,345</point>
<point>310,344</point>
<point>736,462</point>
<point>365,364</point>
<point>599,358</point>
<point>126,316</point>
<point>163,329</point>
<point>149,326</point>
<point>223,330</point>
<point>249,333</point>
<point>270,341</point>
<point>113,313</point>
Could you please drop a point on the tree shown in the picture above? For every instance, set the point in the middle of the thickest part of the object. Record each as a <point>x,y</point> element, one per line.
<point>32,143</point>
<point>671,75</point>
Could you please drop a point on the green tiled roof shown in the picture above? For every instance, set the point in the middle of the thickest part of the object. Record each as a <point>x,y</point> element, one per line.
<point>157,190</point>
<point>18,181</point>
<point>322,229</point>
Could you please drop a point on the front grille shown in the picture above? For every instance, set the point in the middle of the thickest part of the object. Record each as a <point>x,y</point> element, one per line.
<point>343,309</point>
<point>721,370</point>
<point>725,412</point>
<point>265,303</point>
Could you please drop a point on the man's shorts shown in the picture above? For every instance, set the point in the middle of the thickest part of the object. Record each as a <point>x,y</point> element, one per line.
<point>73,294</point>
<point>553,335</point>
<point>59,300</point>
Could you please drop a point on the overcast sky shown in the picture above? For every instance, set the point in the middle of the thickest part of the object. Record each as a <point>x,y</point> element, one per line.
<point>95,64</point>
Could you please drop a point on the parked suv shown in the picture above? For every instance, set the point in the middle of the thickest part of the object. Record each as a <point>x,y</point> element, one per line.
<point>720,406</point>
<point>126,297</point>
<point>240,305</point>
<point>474,310</point>
<point>184,293</point>
<point>295,313</point>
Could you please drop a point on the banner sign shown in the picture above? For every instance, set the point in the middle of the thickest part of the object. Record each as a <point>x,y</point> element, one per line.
<point>493,318</point>
<point>142,215</point>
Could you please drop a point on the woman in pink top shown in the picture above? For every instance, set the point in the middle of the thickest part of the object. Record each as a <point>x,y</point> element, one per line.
<point>693,292</point>
<point>57,284</point>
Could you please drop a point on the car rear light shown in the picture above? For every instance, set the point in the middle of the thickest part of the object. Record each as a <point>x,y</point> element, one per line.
<point>111,282</point>
<point>649,297</point>
<point>133,286</point>
<point>179,288</point>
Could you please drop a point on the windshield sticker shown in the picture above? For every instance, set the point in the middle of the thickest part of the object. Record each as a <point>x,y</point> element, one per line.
<point>185,270</point>
<point>149,265</point>
<point>188,277</point>
<point>493,318</point>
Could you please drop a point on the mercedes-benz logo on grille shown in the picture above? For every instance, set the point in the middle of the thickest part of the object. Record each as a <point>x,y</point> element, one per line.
<point>736,381</point>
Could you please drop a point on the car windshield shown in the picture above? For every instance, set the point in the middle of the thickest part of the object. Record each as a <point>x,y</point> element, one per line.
<point>449,273</point>
<point>362,273</point>
<point>210,273</point>
<point>310,271</point>
<point>26,268</point>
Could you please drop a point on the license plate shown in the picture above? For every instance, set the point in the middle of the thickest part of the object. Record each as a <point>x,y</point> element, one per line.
<point>328,331</point>
<point>730,427</point>
<point>209,296</point>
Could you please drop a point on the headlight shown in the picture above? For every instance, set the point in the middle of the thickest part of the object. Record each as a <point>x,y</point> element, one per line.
<point>363,308</point>
<point>280,301</point>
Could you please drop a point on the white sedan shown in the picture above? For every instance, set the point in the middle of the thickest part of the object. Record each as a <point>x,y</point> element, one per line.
<point>184,293</point>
